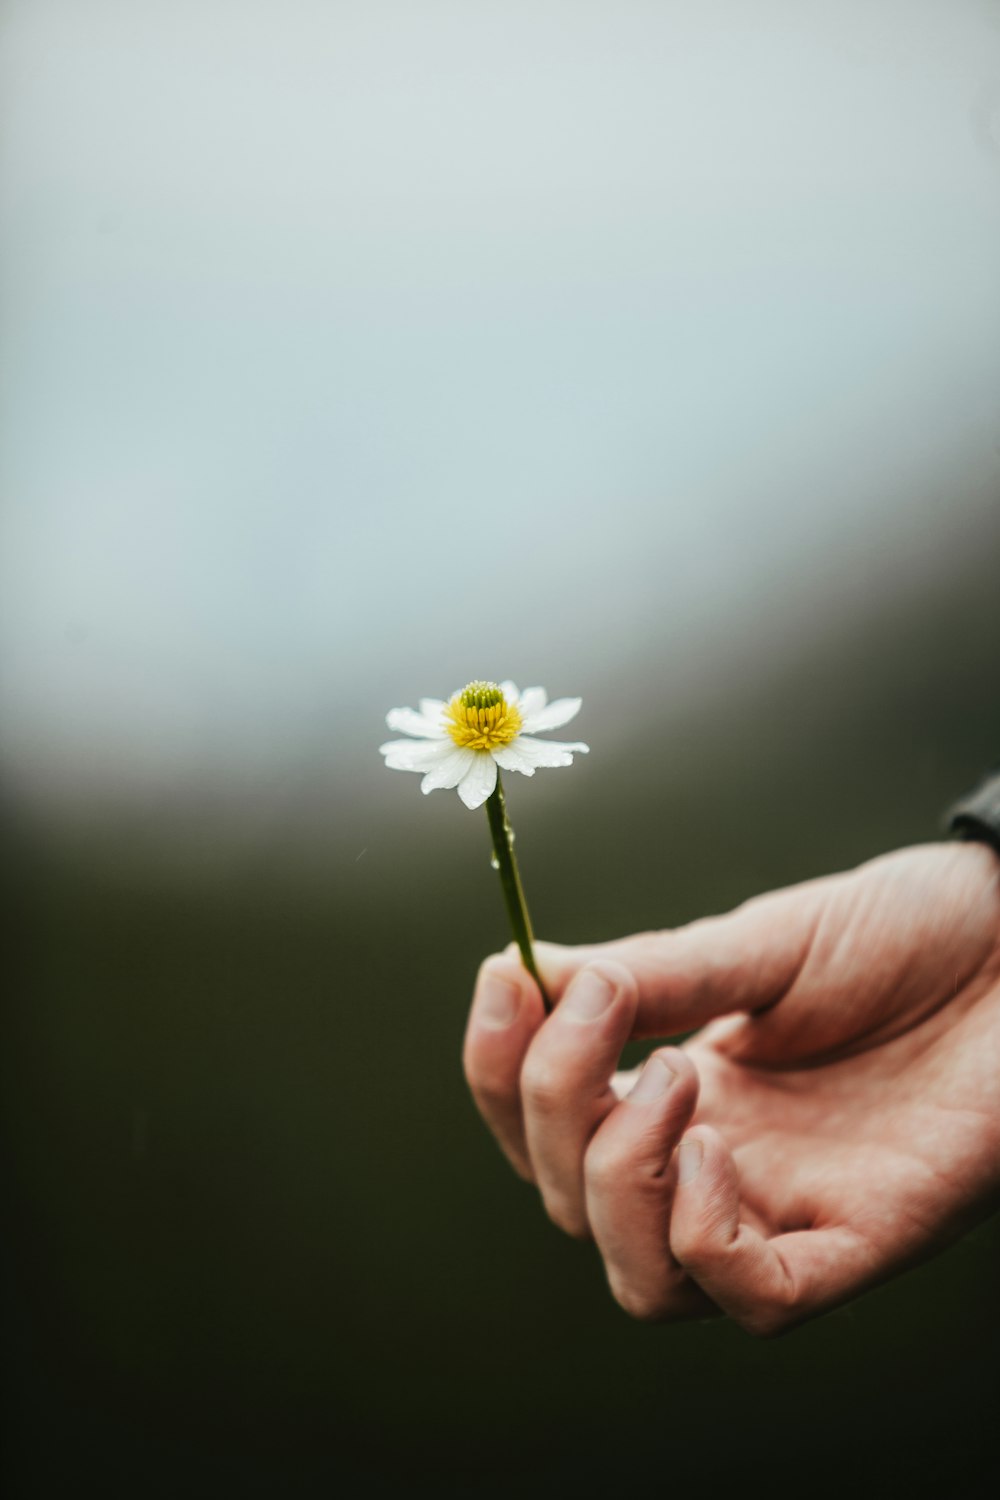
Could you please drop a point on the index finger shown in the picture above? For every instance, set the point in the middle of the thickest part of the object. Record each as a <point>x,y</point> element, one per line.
<point>506,1012</point>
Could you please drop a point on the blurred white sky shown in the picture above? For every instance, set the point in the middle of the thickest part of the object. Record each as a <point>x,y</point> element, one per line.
<point>348,351</point>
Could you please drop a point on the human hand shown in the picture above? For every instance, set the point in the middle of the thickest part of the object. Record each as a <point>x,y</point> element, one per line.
<point>837,1118</point>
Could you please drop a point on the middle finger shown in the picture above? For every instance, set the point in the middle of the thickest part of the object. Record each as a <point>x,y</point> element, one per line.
<point>566,1084</point>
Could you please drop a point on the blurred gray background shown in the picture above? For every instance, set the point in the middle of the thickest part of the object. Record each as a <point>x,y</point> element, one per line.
<point>649,351</point>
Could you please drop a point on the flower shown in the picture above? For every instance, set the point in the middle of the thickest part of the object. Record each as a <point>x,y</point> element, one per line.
<point>462,742</point>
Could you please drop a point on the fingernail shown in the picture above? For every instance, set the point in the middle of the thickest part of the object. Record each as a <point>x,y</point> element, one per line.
<point>497,1003</point>
<point>654,1080</point>
<point>588,996</point>
<point>689,1155</point>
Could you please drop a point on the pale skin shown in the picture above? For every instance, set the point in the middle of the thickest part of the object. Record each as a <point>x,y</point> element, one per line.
<point>835,1119</point>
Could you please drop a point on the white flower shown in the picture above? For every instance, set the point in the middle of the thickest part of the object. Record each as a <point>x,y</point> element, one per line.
<point>460,743</point>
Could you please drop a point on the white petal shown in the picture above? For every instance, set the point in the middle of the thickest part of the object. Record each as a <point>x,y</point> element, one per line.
<point>533,700</point>
<point>415,755</point>
<point>509,690</point>
<point>548,752</point>
<point>479,780</point>
<point>554,717</point>
<point>508,757</point>
<point>433,709</point>
<point>449,772</point>
<point>408,721</point>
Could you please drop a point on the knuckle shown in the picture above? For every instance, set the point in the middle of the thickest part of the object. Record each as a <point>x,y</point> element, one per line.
<point>609,1167</point>
<point>689,1249</point>
<point>776,1314</point>
<point>520,1164</point>
<point>768,1322</point>
<point>491,1097</point>
<point>775,1311</point>
<point>603,1166</point>
<point>542,1086</point>
<point>567,1217</point>
<point>478,1073</point>
<point>472,1070</point>
<point>700,1253</point>
<point>641,1304</point>
<point>483,1078</point>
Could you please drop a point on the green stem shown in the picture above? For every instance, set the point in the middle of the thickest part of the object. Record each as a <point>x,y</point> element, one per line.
<point>513,892</point>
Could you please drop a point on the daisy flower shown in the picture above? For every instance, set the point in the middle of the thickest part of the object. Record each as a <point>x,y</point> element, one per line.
<point>465,743</point>
<point>461,742</point>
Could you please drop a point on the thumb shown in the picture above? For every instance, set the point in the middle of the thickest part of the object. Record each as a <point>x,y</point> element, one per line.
<point>746,960</point>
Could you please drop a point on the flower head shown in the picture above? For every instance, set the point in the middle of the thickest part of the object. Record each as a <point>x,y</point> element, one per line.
<point>461,742</point>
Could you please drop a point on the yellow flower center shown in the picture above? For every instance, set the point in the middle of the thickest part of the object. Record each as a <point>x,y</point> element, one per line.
<point>480,718</point>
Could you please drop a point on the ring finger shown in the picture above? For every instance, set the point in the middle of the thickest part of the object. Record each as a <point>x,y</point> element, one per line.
<point>630,1174</point>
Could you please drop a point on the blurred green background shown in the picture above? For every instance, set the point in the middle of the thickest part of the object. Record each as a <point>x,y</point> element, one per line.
<point>350,352</point>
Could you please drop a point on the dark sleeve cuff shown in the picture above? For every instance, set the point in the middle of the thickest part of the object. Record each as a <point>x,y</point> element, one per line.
<point>977,816</point>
